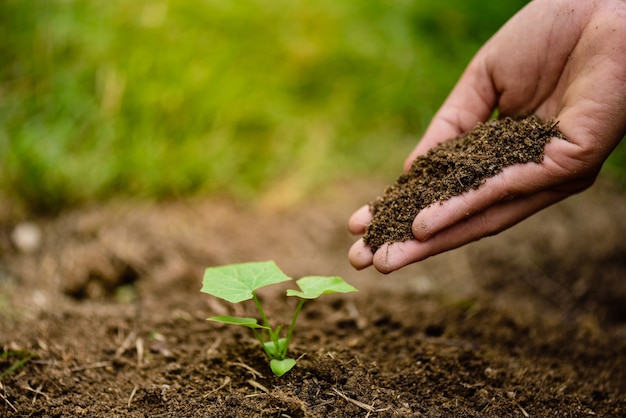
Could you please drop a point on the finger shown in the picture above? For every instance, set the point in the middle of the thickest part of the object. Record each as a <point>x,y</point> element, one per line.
<point>442,215</point>
<point>557,170</point>
<point>391,257</point>
<point>360,255</point>
<point>358,222</point>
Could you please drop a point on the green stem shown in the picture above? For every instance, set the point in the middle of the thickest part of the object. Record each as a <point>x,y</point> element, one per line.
<point>260,309</point>
<point>293,323</point>
<point>275,337</point>
<point>258,336</point>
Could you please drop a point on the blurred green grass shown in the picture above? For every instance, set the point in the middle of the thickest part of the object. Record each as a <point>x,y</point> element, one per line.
<point>158,99</point>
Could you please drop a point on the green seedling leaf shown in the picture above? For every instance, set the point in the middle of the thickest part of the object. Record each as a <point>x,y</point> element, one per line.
<point>314,286</point>
<point>233,320</point>
<point>280,367</point>
<point>274,352</point>
<point>237,282</point>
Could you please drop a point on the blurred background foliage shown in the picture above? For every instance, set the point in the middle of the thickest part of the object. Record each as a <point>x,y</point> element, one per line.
<point>160,99</point>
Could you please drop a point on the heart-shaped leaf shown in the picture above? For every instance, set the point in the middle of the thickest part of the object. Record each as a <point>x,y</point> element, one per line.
<point>275,352</point>
<point>236,282</point>
<point>314,286</point>
<point>233,320</point>
<point>280,367</point>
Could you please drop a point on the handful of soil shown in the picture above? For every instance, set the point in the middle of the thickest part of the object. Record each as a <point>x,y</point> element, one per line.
<point>453,167</point>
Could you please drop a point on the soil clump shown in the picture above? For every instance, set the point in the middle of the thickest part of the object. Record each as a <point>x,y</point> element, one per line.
<point>454,167</point>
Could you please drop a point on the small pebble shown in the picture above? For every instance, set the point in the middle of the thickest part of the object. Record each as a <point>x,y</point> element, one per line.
<point>27,237</point>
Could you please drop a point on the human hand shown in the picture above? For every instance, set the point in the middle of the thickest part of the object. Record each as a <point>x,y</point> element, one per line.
<point>555,58</point>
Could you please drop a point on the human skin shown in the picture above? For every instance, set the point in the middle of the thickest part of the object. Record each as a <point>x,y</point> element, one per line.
<point>555,58</point>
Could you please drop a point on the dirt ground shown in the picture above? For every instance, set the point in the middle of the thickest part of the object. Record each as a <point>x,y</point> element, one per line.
<point>103,316</point>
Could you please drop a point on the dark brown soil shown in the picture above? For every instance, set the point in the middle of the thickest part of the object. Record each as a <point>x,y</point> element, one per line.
<point>103,317</point>
<point>454,167</point>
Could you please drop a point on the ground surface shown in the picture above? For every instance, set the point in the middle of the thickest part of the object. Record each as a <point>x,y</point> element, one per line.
<point>105,317</point>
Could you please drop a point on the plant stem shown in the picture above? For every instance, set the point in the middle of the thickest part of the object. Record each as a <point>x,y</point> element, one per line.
<point>275,334</point>
<point>258,336</point>
<point>293,322</point>
<point>260,309</point>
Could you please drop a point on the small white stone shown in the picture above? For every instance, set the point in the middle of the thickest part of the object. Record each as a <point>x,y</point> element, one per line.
<point>26,237</point>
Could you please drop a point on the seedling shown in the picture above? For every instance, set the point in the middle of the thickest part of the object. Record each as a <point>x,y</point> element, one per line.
<point>237,283</point>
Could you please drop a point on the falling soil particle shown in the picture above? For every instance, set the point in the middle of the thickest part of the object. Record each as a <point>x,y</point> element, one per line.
<point>453,167</point>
